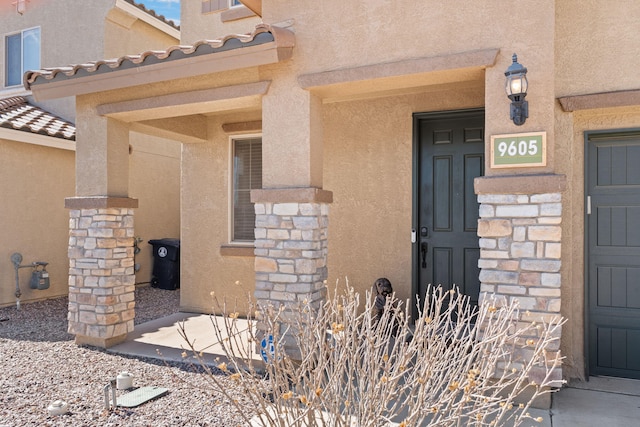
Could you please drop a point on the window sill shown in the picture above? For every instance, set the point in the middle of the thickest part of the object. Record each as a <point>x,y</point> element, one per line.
<point>235,13</point>
<point>237,250</point>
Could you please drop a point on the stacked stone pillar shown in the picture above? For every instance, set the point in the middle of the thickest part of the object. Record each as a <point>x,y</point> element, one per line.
<point>101,270</point>
<point>520,256</point>
<point>291,249</point>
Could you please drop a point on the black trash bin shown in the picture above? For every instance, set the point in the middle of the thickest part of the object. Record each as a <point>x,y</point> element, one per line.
<point>166,263</point>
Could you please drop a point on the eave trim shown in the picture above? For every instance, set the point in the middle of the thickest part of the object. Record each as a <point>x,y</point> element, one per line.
<point>266,45</point>
<point>37,139</point>
<point>622,98</point>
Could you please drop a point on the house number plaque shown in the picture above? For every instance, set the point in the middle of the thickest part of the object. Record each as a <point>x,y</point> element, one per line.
<point>519,150</point>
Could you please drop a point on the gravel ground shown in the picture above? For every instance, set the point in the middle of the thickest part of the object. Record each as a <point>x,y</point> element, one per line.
<point>41,364</point>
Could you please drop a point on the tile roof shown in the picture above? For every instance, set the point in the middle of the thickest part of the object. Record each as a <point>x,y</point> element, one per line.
<point>153,13</point>
<point>17,113</point>
<point>262,34</point>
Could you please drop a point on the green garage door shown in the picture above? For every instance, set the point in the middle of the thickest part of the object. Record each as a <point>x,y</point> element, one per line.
<point>613,252</point>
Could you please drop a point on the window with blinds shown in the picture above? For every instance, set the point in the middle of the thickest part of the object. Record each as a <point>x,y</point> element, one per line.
<point>247,176</point>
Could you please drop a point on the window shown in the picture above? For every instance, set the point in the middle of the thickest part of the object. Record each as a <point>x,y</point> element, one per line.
<point>22,53</point>
<point>247,176</point>
<point>218,5</point>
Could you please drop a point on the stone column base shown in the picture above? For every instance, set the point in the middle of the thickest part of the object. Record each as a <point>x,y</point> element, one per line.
<point>291,250</point>
<point>521,248</point>
<point>101,273</point>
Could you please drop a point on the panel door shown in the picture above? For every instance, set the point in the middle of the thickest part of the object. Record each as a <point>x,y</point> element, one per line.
<point>451,155</point>
<point>613,254</point>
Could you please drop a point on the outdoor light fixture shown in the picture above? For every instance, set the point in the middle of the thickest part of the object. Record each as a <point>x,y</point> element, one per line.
<point>516,87</point>
<point>21,6</point>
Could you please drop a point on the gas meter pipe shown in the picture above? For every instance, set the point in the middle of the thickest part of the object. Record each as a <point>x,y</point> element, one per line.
<point>41,274</point>
<point>16,259</point>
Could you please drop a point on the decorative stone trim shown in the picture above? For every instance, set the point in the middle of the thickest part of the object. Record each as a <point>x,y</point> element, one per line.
<point>290,255</point>
<point>101,275</point>
<point>520,255</point>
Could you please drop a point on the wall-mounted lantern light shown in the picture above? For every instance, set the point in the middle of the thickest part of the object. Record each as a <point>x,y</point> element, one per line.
<point>21,6</point>
<point>516,87</point>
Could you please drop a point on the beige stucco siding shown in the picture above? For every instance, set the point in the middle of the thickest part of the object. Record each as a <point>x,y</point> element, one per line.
<point>196,25</point>
<point>35,181</point>
<point>206,221</point>
<point>592,54</point>
<point>597,46</point>
<point>342,36</point>
<point>154,179</point>
<point>125,35</point>
<point>368,154</point>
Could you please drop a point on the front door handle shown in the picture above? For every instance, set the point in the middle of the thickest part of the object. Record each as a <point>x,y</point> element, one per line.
<point>424,248</point>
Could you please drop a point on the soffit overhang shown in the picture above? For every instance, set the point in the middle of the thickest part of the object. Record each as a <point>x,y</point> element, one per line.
<point>265,45</point>
<point>399,77</point>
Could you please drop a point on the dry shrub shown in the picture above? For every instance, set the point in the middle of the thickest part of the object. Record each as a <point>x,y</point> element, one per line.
<point>335,365</point>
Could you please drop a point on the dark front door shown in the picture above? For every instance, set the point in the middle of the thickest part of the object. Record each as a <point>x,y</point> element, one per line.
<point>613,253</point>
<point>450,154</point>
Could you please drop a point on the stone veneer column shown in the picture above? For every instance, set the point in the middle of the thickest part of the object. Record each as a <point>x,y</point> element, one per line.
<point>101,272</point>
<point>520,247</point>
<point>291,248</point>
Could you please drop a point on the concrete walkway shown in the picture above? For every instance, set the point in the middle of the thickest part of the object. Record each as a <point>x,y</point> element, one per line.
<point>600,402</point>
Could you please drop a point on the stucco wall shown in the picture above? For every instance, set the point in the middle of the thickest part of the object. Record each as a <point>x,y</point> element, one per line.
<point>205,224</point>
<point>154,179</point>
<point>368,166</point>
<point>35,180</point>
<point>592,46</point>
<point>33,220</point>
<point>60,44</point>
<point>125,35</point>
<point>195,25</point>
<point>370,219</point>
<point>335,35</point>
<point>597,46</point>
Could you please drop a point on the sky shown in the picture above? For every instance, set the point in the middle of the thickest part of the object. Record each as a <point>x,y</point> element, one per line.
<point>169,8</point>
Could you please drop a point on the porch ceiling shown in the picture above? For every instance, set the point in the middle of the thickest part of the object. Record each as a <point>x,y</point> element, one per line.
<point>400,77</point>
<point>182,116</point>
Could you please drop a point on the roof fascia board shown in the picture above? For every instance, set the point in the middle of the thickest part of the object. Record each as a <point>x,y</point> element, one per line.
<point>250,56</point>
<point>331,83</point>
<point>186,103</point>
<point>623,98</point>
<point>37,139</point>
<point>145,17</point>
